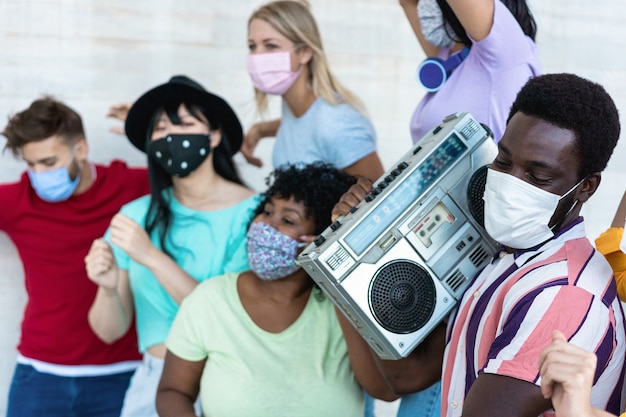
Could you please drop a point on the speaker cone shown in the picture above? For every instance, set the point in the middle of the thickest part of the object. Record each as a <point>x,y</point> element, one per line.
<point>402,296</point>
<point>475,192</point>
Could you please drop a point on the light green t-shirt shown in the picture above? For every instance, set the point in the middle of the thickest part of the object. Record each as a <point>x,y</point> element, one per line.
<point>301,371</point>
<point>203,243</point>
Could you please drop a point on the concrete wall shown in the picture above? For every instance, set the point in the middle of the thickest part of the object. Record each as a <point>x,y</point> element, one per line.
<point>92,54</point>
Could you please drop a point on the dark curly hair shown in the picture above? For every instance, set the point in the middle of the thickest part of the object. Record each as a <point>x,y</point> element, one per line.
<point>576,104</point>
<point>318,186</point>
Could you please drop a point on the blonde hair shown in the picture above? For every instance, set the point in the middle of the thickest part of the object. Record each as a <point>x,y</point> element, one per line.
<point>293,19</point>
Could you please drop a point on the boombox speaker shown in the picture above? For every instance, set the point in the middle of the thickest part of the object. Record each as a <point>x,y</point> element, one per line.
<point>397,264</point>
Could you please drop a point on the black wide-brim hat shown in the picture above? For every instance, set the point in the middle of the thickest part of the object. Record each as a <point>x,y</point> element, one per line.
<point>185,90</point>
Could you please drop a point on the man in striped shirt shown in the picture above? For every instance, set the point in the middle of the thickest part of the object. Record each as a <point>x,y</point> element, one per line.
<point>560,135</point>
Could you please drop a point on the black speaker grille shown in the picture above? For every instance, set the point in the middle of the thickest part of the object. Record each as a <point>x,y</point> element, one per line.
<point>475,192</point>
<point>402,297</point>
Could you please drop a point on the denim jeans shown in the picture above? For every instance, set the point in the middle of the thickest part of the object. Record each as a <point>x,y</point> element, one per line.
<point>369,405</point>
<point>141,395</point>
<point>426,403</point>
<point>37,394</point>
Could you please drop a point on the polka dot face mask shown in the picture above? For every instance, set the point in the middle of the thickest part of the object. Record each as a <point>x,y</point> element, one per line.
<point>179,155</point>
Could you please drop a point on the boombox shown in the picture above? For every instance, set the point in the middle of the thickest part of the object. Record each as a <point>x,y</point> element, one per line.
<point>398,263</point>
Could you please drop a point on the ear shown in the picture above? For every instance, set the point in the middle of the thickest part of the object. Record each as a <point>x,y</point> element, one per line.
<point>304,54</point>
<point>215,137</point>
<point>82,150</point>
<point>589,187</point>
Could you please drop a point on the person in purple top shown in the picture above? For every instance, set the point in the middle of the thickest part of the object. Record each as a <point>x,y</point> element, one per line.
<point>496,39</point>
<point>480,54</point>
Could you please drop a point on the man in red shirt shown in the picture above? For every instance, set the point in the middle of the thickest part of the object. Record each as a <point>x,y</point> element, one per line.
<point>52,214</point>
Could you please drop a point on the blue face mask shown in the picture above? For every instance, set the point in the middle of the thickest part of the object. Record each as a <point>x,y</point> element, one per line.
<point>54,185</point>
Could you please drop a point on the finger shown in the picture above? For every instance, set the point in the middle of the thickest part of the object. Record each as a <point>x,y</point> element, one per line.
<point>99,244</point>
<point>117,130</point>
<point>362,187</point>
<point>119,111</point>
<point>307,238</point>
<point>253,160</point>
<point>340,209</point>
<point>257,162</point>
<point>123,225</point>
<point>121,218</point>
<point>558,335</point>
<point>560,351</point>
<point>547,386</point>
<point>99,257</point>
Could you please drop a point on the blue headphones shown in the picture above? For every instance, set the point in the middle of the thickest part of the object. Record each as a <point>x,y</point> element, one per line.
<point>433,72</point>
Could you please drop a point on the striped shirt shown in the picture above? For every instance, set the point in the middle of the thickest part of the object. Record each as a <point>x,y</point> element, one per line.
<point>507,314</point>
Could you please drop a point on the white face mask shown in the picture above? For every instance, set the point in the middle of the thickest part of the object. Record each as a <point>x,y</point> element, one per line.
<point>434,28</point>
<point>517,213</point>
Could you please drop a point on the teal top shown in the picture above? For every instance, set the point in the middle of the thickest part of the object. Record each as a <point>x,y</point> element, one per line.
<point>302,371</point>
<point>204,243</point>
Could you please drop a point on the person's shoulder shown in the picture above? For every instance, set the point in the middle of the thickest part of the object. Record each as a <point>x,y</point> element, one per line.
<point>15,186</point>
<point>133,181</point>
<point>339,110</point>
<point>341,119</point>
<point>213,288</point>
<point>12,194</point>
<point>242,198</point>
<point>505,25</point>
<point>136,207</point>
<point>121,168</point>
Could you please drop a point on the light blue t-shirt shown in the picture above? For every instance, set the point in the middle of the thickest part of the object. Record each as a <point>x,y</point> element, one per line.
<point>204,243</point>
<point>338,135</point>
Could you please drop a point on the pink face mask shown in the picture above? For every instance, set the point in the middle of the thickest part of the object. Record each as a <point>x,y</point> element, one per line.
<point>271,72</point>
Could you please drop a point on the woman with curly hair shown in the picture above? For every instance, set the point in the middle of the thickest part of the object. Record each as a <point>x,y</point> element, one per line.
<point>267,342</point>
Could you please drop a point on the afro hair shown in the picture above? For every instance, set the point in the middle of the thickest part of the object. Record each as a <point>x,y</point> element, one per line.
<point>576,104</point>
<point>318,186</point>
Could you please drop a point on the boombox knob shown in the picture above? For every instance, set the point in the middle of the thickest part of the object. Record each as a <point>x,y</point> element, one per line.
<point>319,240</point>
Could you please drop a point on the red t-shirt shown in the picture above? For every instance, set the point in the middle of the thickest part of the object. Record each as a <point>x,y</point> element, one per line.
<point>53,240</point>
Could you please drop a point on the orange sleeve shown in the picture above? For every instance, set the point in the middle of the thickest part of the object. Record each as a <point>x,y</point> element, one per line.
<point>608,245</point>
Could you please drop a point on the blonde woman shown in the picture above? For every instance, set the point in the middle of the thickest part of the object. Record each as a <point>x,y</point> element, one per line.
<point>321,119</point>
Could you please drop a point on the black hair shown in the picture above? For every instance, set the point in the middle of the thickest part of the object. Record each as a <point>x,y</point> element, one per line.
<point>576,104</point>
<point>318,186</point>
<point>159,215</point>
<point>518,8</point>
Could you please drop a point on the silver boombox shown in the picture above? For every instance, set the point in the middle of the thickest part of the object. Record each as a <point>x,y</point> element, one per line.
<point>397,264</point>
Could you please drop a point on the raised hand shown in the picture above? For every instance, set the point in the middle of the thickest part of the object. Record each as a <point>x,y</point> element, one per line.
<point>101,266</point>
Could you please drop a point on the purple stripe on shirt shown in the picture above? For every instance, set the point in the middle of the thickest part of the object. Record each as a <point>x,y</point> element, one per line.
<point>474,323</point>
<point>584,267</point>
<point>611,293</point>
<point>481,307</point>
<point>615,400</point>
<point>604,352</point>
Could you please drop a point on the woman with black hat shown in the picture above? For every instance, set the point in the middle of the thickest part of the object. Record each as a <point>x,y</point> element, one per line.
<point>192,226</point>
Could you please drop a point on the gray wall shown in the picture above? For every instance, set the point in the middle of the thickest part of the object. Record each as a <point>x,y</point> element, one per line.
<point>92,54</point>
